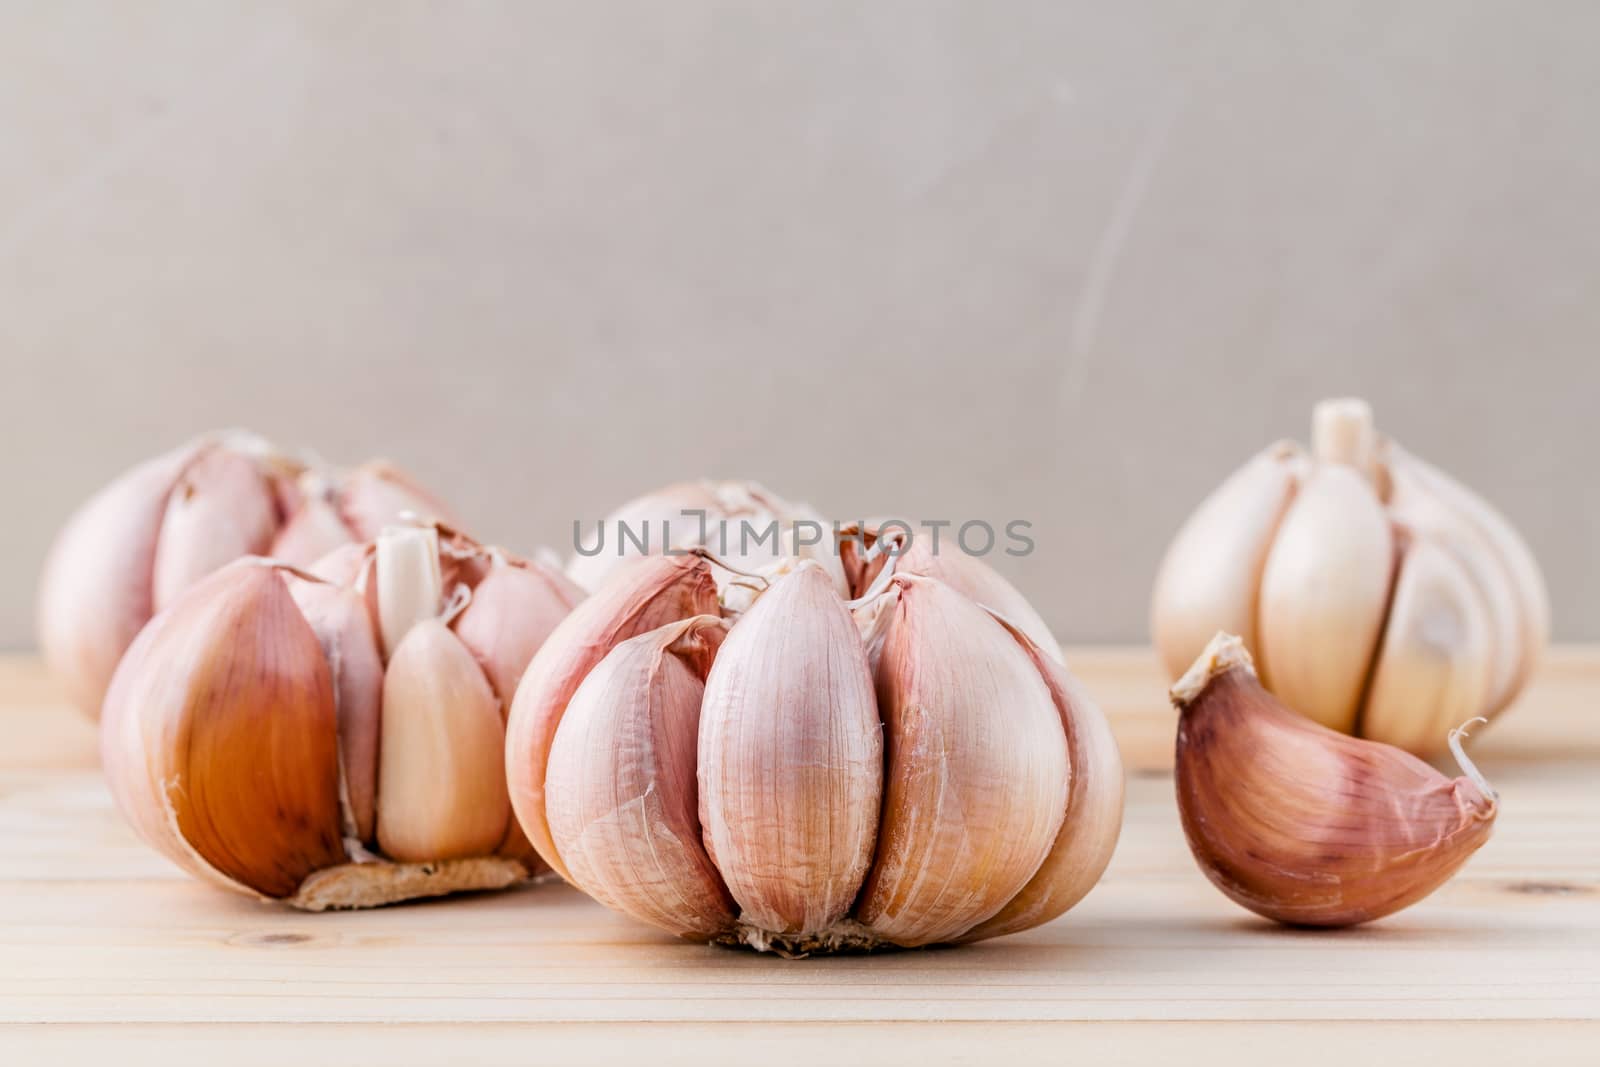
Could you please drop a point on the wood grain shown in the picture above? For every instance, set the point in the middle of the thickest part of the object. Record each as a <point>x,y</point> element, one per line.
<point>105,949</point>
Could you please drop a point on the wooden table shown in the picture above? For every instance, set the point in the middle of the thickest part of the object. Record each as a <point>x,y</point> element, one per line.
<point>125,959</point>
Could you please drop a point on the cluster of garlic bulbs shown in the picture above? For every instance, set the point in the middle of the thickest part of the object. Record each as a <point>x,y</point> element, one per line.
<point>802,777</point>
<point>1378,596</point>
<point>134,547</point>
<point>335,737</point>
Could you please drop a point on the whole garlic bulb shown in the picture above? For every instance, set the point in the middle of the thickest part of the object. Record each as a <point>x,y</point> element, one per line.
<point>334,745</point>
<point>731,519</point>
<point>781,780</point>
<point>1377,596</point>
<point>136,545</point>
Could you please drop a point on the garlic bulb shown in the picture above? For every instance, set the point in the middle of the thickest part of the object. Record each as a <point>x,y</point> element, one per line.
<point>1381,598</point>
<point>1304,825</point>
<point>135,546</point>
<point>778,779</point>
<point>745,524</point>
<point>335,745</point>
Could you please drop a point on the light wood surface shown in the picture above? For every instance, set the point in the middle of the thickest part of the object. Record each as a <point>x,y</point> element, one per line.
<point>121,957</point>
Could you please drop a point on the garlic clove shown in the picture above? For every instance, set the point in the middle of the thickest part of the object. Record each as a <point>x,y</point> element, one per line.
<point>95,592</point>
<point>792,833</point>
<point>312,530</point>
<point>513,610</point>
<point>976,782</point>
<point>441,793</point>
<point>1434,665</point>
<point>623,798</point>
<point>1324,592</point>
<point>375,494</point>
<point>409,585</point>
<point>1093,822</point>
<point>1486,527</point>
<point>219,738</point>
<point>1304,825</point>
<point>343,625</point>
<point>1211,574</point>
<point>222,508</point>
<point>642,596</point>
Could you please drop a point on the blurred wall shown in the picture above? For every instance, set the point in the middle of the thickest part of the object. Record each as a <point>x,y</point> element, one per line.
<point>1067,262</point>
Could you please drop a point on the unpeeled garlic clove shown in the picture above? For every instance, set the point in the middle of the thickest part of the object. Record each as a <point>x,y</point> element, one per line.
<point>377,493</point>
<point>623,799</point>
<point>1304,825</point>
<point>791,833</point>
<point>340,618</point>
<point>219,738</point>
<point>440,791</point>
<point>95,590</point>
<point>223,507</point>
<point>514,609</point>
<point>1210,577</point>
<point>976,769</point>
<point>1433,666</point>
<point>312,530</point>
<point>1499,559</point>
<point>1324,590</point>
<point>645,594</point>
<point>1093,820</point>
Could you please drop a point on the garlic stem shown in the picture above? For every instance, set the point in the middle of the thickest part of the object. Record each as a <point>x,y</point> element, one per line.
<point>1342,431</point>
<point>1469,768</point>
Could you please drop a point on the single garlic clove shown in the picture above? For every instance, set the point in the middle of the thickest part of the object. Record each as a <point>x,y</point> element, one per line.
<point>440,791</point>
<point>642,596</point>
<point>343,625</point>
<point>409,586</point>
<point>623,799</point>
<point>1093,822</point>
<point>513,610</point>
<point>791,832</point>
<point>1433,667</point>
<point>1211,574</point>
<point>219,738</point>
<point>312,531</point>
<point>95,592</point>
<point>375,494</point>
<point>1517,566</point>
<point>1324,591</point>
<point>1304,825</point>
<point>976,782</point>
<point>222,508</point>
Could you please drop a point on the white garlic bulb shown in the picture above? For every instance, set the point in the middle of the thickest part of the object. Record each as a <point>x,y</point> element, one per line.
<point>1378,596</point>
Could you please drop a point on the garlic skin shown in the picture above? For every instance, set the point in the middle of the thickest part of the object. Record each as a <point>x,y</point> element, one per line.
<point>758,778</point>
<point>258,735</point>
<point>1379,597</point>
<point>136,546</point>
<point>661,514</point>
<point>1305,825</point>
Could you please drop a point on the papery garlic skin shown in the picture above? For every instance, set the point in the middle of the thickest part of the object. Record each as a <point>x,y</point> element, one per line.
<point>1378,596</point>
<point>138,544</point>
<point>1305,825</point>
<point>785,828</point>
<point>258,735</point>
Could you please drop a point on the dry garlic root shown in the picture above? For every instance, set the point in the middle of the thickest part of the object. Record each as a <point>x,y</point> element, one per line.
<point>135,546</point>
<point>1380,597</point>
<point>1304,825</point>
<point>804,778</point>
<point>337,740</point>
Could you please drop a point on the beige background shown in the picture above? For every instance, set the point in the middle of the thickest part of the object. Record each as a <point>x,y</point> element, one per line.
<point>1066,262</point>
